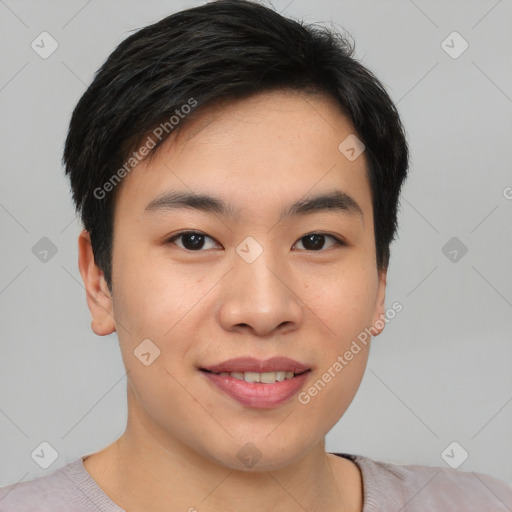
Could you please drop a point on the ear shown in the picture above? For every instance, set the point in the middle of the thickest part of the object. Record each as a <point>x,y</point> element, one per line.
<point>379,314</point>
<point>99,298</point>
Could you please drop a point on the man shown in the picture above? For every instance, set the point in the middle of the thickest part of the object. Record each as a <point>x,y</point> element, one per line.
<point>238,175</point>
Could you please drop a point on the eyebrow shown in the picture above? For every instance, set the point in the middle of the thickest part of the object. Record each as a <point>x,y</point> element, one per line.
<point>336,200</point>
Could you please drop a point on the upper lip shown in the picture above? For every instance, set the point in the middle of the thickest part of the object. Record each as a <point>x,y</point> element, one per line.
<point>251,364</point>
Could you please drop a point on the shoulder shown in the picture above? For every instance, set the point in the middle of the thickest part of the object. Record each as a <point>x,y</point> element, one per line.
<point>419,488</point>
<point>64,489</point>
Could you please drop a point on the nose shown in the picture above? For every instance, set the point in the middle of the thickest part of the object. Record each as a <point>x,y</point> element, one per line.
<point>260,297</point>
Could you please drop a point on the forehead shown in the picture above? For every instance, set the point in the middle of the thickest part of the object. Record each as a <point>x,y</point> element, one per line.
<point>267,149</point>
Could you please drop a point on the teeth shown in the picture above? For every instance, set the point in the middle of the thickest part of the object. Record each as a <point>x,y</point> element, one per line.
<point>280,376</point>
<point>252,377</point>
<point>268,377</point>
<point>265,377</point>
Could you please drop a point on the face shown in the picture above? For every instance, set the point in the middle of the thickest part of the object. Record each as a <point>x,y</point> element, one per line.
<point>241,285</point>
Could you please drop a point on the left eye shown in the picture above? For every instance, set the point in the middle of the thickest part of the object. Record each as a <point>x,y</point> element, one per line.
<point>316,241</point>
<point>195,241</point>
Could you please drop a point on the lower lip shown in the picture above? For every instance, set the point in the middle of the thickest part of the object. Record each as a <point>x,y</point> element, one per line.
<point>255,394</point>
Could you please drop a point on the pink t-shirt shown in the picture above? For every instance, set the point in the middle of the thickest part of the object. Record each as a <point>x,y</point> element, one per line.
<point>387,488</point>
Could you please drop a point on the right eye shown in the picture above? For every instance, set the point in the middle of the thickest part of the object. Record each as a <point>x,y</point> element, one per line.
<point>191,240</point>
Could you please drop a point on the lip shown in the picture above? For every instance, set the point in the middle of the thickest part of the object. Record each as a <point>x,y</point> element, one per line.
<point>255,394</point>
<point>251,364</point>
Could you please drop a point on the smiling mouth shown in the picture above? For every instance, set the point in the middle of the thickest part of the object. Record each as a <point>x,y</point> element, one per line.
<point>257,377</point>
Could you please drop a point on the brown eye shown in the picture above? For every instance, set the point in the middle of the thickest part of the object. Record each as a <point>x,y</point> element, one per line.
<point>316,241</point>
<point>191,240</point>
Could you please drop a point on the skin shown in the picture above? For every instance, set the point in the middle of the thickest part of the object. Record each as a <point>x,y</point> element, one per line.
<point>205,306</point>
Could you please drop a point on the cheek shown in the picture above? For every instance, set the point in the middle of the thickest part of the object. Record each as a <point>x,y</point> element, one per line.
<point>167,312</point>
<point>151,296</point>
<point>328,397</point>
<point>343,305</point>
<point>343,308</point>
<point>161,394</point>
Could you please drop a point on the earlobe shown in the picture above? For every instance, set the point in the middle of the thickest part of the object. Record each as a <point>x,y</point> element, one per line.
<point>379,314</point>
<point>99,299</point>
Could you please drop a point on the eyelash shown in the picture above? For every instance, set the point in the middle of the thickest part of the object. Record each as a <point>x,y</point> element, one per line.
<point>337,241</point>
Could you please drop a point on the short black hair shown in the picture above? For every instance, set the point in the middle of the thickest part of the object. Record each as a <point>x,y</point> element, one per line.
<point>221,51</point>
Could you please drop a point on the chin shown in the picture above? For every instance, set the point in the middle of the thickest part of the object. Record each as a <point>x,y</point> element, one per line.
<point>260,455</point>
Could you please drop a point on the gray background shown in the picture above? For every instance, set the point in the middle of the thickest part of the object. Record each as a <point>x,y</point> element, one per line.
<point>440,372</point>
